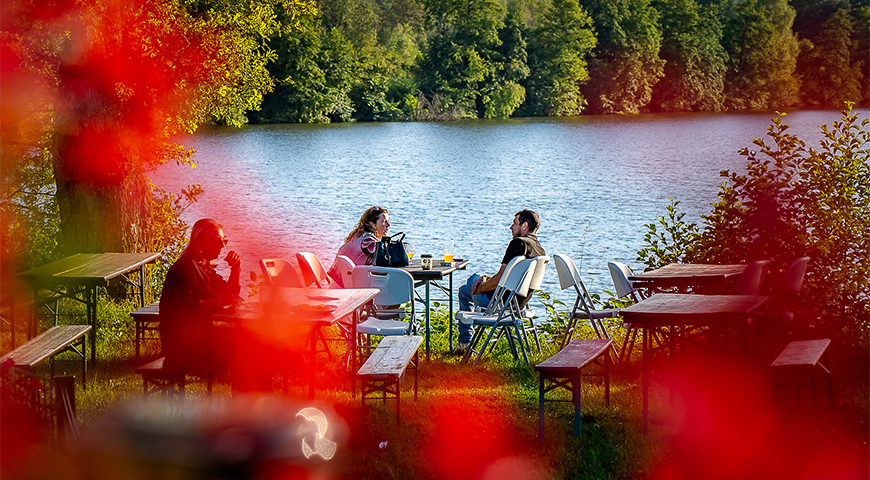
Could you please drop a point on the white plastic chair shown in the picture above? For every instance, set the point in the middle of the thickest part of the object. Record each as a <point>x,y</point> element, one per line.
<point>344,266</point>
<point>528,313</point>
<point>396,288</point>
<point>584,307</point>
<point>619,273</point>
<point>312,269</point>
<point>782,296</point>
<point>506,316</point>
<point>495,301</point>
<point>278,272</point>
<point>752,278</point>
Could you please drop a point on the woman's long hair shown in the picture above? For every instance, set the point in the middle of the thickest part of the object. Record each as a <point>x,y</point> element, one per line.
<point>370,215</point>
<point>201,229</point>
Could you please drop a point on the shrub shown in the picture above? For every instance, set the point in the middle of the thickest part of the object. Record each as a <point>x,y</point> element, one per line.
<point>793,201</point>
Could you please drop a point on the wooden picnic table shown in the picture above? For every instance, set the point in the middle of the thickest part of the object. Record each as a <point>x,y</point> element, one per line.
<point>433,276</point>
<point>312,308</point>
<point>79,277</point>
<point>685,275</point>
<point>687,310</point>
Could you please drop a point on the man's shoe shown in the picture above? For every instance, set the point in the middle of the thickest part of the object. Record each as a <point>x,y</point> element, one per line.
<point>460,348</point>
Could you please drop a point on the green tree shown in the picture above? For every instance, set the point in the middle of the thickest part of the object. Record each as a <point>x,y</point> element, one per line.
<point>762,51</point>
<point>829,78</point>
<point>861,46</point>
<point>793,201</point>
<point>558,48</point>
<point>115,81</point>
<point>694,70</point>
<point>459,63</point>
<point>625,63</point>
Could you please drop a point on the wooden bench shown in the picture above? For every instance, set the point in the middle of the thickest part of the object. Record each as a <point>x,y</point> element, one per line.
<point>796,367</point>
<point>50,343</point>
<point>147,321</point>
<point>168,381</point>
<point>386,366</point>
<point>564,369</point>
<point>157,379</point>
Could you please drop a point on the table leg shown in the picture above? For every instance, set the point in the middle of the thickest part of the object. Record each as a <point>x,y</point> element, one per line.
<point>353,321</point>
<point>91,301</point>
<point>141,286</point>
<point>427,320</point>
<point>450,317</point>
<point>645,379</point>
<point>311,364</point>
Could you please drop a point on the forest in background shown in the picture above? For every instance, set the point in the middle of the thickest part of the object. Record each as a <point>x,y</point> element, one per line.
<point>387,60</point>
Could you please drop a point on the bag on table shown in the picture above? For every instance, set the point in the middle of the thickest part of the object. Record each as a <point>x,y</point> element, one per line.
<point>390,252</point>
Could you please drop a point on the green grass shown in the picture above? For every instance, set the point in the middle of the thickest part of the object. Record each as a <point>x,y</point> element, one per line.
<point>470,422</point>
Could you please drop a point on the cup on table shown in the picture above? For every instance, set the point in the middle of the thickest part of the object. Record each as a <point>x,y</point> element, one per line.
<point>448,252</point>
<point>426,261</point>
<point>409,249</point>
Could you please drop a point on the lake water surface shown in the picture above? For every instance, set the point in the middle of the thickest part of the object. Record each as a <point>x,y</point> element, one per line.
<point>594,180</point>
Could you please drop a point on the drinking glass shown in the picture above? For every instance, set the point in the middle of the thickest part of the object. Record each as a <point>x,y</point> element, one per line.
<point>448,252</point>
<point>409,249</point>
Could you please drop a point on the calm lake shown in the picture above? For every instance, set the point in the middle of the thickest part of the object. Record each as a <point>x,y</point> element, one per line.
<point>594,180</point>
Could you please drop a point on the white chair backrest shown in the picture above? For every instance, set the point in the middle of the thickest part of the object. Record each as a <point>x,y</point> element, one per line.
<point>751,279</point>
<point>619,272</point>
<point>541,263</point>
<point>794,276</point>
<point>520,277</point>
<point>312,269</point>
<point>566,270</point>
<point>344,265</point>
<point>496,298</point>
<point>278,272</point>
<point>570,277</point>
<point>396,285</point>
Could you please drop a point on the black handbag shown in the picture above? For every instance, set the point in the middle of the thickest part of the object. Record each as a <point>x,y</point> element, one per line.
<point>390,252</point>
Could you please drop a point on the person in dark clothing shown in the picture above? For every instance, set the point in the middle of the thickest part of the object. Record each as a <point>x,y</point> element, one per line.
<point>478,289</point>
<point>193,291</point>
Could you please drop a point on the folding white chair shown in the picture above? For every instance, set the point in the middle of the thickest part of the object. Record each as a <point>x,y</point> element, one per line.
<point>752,278</point>
<point>584,306</point>
<point>527,313</point>
<point>344,266</point>
<point>278,272</point>
<point>619,273</point>
<point>495,301</point>
<point>506,316</point>
<point>781,298</point>
<point>312,269</point>
<point>396,288</point>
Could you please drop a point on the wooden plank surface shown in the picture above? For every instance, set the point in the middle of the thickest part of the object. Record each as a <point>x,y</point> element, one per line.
<point>691,309</point>
<point>575,355</point>
<point>148,313</point>
<point>689,270</point>
<point>99,267</point>
<point>391,357</point>
<point>46,344</point>
<point>802,353</point>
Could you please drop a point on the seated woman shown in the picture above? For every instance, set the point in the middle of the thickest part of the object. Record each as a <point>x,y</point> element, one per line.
<point>193,291</point>
<point>359,245</point>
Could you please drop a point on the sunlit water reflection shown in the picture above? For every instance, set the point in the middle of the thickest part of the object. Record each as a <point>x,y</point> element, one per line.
<point>595,181</point>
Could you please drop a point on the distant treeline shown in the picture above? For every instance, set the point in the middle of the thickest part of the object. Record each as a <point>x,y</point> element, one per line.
<point>444,59</point>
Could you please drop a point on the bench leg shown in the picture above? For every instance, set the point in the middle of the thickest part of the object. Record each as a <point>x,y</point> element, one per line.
<point>541,408</point>
<point>575,390</point>
<point>607,377</point>
<point>416,369</point>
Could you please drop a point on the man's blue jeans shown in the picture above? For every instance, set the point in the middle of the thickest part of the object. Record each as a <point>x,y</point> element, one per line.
<point>465,301</point>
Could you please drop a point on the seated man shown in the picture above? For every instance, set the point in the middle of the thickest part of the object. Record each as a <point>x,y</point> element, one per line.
<point>478,289</point>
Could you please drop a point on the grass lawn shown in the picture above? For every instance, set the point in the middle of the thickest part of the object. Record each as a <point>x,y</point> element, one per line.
<point>710,418</point>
